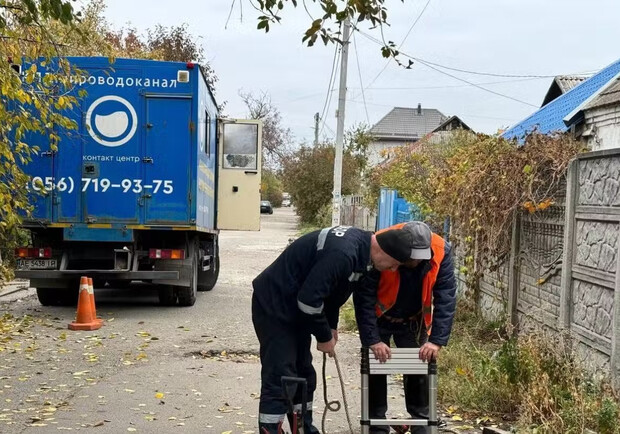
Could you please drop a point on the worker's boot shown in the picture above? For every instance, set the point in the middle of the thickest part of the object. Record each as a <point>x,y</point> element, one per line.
<point>270,428</point>
<point>309,428</point>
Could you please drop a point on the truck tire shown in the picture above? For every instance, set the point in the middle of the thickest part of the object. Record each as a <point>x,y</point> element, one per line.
<point>57,296</point>
<point>208,279</point>
<point>48,296</point>
<point>167,295</point>
<point>187,296</point>
<point>68,297</point>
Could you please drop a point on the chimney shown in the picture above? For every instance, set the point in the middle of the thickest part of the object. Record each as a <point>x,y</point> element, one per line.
<point>419,109</point>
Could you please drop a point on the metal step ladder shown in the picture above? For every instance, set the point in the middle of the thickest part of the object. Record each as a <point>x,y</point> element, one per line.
<point>404,361</point>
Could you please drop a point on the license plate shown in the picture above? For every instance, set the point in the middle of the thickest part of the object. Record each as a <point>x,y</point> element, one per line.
<point>36,264</point>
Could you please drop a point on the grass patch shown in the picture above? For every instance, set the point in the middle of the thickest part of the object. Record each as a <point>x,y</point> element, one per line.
<point>535,381</point>
<point>305,228</point>
<point>347,321</point>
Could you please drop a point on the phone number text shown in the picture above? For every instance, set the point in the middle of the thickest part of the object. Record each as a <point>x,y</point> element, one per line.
<point>101,185</point>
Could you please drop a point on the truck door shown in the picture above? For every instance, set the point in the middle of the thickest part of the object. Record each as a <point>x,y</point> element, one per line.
<point>167,158</point>
<point>110,161</point>
<point>239,175</point>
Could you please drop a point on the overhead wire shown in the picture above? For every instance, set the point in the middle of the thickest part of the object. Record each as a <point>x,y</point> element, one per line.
<point>433,67</point>
<point>359,71</point>
<point>401,43</point>
<point>330,88</point>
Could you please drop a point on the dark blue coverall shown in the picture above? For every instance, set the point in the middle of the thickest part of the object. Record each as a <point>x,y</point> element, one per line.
<point>297,296</point>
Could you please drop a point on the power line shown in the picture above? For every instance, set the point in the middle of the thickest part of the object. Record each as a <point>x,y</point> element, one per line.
<point>401,43</point>
<point>489,74</point>
<point>477,85</point>
<point>466,71</point>
<point>454,86</point>
<point>463,114</point>
<point>330,89</point>
<point>359,71</point>
<point>428,65</point>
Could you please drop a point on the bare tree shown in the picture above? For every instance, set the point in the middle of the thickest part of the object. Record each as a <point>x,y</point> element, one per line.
<point>277,139</point>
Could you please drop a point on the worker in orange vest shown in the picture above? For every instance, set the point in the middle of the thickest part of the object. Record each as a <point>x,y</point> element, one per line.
<point>415,306</point>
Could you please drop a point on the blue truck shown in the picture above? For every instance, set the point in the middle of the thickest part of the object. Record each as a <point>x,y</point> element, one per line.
<point>140,190</point>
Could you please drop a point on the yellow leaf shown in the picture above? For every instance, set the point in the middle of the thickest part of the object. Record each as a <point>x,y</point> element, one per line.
<point>226,432</point>
<point>461,371</point>
<point>457,418</point>
<point>159,395</point>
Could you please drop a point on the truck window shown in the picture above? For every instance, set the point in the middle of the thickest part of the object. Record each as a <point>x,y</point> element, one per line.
<point>240,146</point>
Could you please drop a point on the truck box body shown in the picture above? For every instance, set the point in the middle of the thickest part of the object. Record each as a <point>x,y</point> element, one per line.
<point>144,153</point>
<point>141,172</point>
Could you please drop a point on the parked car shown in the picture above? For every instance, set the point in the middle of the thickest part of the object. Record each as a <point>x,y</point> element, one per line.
<point>265,207</point>
<point>286,202</point>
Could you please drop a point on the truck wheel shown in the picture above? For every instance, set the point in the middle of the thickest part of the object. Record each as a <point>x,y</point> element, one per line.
<point>68,297</point>
<point>167,295</point>
<point>48,296</point>
<point>208,279</point>
<point>187,296</point>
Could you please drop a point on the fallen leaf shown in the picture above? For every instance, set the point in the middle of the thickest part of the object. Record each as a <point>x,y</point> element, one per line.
<point>159,395</point>
<point>457,418</point>
<point>100,423</point>
<point>131,429</point>
<point>129,391</point>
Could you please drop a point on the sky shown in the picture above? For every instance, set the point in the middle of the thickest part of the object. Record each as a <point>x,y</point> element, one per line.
<point>521,38</point>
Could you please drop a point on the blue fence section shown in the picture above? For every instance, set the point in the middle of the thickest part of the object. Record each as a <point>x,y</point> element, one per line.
<point>394,209</point>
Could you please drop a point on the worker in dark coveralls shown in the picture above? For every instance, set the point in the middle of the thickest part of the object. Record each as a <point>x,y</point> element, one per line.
<point>299,296</point>
<point>417,298</point>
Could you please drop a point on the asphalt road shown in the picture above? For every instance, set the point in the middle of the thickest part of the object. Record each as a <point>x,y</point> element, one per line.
<point>151,368</point>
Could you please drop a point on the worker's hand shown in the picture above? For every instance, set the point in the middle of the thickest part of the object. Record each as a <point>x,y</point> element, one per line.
<point>429,351</point>
<point>381,351</point>
<point>335,335</point>
<point>327,347</point>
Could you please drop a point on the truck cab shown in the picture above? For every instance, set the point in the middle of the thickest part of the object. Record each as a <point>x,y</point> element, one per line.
<point>143,185</point>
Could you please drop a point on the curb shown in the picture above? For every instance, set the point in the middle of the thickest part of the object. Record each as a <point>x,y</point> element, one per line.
<point>489,430</point>
<point>13,291</point>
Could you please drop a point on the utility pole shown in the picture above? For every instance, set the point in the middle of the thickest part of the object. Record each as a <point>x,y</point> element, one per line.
<point>317,118</point>
<point>342,98</point>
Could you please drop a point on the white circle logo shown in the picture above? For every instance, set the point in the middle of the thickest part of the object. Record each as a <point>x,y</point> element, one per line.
<point>116,127</point>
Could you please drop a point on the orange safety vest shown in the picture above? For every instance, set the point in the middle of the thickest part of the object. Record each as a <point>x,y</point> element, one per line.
<point>389,283</point>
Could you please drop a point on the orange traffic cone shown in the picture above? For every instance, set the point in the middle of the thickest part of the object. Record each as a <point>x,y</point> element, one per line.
<point>84,319</point>
<point>91,291</point>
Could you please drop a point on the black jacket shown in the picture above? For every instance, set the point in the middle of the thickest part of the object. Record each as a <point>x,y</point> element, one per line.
<point>310,280</point>
<point>444,300</point>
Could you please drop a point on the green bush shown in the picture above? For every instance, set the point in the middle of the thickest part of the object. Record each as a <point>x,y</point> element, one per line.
<point>271,188</point>
<point>309,177</point>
